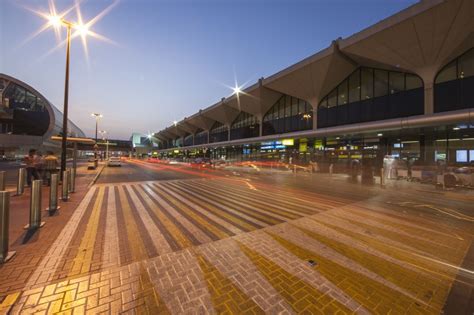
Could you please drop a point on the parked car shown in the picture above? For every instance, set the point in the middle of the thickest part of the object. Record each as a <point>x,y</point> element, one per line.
<point>91,164</point>
<point>114,161</point>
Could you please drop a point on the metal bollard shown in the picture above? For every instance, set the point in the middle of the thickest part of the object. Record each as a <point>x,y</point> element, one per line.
<point>72,180</point>
<point>65,188</point>
<point>35,205</point>
<point>3,179</point>
<point>53,193</point>
<point>20,186</point>
<point>382,178</point>
<point>5,255</point>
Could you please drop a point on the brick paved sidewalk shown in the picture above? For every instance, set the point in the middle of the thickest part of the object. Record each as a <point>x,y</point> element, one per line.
<point>31,247</point>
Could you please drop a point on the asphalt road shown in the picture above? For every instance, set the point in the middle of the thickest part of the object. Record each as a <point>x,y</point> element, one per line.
<point>131,172</point>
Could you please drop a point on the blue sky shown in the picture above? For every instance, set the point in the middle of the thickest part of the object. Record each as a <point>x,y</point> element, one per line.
<point>172,57</point>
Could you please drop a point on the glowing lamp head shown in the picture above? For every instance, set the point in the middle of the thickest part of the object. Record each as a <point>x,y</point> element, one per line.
<point>149,136</point>
<point>236,90</point>
<point>82,29</point>
<point>54,21</point>
<point>175,122</point>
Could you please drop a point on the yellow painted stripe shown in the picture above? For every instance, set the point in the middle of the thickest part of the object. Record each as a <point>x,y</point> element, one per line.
<point>137,247</point>
<point>8,302</point>
<point>133,234</point>
<point>300,295</point>
<point>200,222</point>
<point>430,290</point>
<point>371,294</point>
<point>274,206</point>
<point>225,295</point>
<point>83,260</point>
<point>175,232</point>
<point>282,202</point>
<point>425,246</point>
<point>261,215</point>
<point>215,210</point>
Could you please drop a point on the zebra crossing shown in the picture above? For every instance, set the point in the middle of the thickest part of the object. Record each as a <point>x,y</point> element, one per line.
<point>228,246</point>
<point>130,222</point>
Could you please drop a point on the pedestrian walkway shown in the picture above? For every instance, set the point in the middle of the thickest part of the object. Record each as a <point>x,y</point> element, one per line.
<point>230,246</point>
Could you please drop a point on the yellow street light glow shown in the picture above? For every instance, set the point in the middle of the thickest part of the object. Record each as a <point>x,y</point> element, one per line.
<point>54,21</point>
<point>82,29</point>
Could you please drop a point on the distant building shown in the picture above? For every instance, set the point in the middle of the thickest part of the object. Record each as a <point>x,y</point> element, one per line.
<point>142,144</point>
<point>28,119</point>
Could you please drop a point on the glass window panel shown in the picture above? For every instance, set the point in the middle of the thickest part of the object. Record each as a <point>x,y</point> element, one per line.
<point>381,83</point>
<point>397,82</point>
<point>354,87</point>
<point>19,95</point>
<point>447,74</point>
<point>413,82</point>
<point>367,84</point>
<point>324,103</point>
<point>466,65</point>
<point>281,108</point>
<point>294,106</point>
<point>288,106</point>
<point>332,98</point>
<point>342,93</point>
<point>30,100</point>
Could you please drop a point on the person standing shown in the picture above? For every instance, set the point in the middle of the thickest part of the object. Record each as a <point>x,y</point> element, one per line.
<point>31,161</point>
<point>50,165</point>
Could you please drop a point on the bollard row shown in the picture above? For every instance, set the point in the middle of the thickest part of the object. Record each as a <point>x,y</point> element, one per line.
<point>35,204</point>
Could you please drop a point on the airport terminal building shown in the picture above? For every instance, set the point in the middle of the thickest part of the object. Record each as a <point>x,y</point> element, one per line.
<point>402,88</point>
<point>28,120</point>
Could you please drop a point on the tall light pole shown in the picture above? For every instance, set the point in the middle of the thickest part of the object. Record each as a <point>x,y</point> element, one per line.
<point>97,117</point>
<point>103,133</point>
<point>56,20</point>
<point>66,99</point>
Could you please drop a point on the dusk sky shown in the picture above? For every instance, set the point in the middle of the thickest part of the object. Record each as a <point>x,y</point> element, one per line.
<point>171,58</point>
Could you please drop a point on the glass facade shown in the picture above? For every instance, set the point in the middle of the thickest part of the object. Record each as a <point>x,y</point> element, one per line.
<point>287,115</point>
<point>188,140</point>
<point>454,84</point>
<point>244,126</point>
<point>200,137</point>
<point>369,95</point>
<point>218,133</point>
<point>24,112</point>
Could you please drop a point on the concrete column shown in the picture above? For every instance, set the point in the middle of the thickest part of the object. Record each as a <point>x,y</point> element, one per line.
<point>315,119</point>
<point>428,75</point>
<point>429,97</point>
<point>260,125</point>
<point>228,132</point>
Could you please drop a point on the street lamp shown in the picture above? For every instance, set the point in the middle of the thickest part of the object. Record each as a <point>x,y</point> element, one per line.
<point>56,21</point>
<point>97,117</point>
<point>103,133</point>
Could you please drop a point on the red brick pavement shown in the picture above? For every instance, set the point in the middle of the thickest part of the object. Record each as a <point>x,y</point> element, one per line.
<point>31,247</point>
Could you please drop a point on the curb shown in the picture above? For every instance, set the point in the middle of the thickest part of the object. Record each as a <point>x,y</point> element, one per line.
<point>96,177</point>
